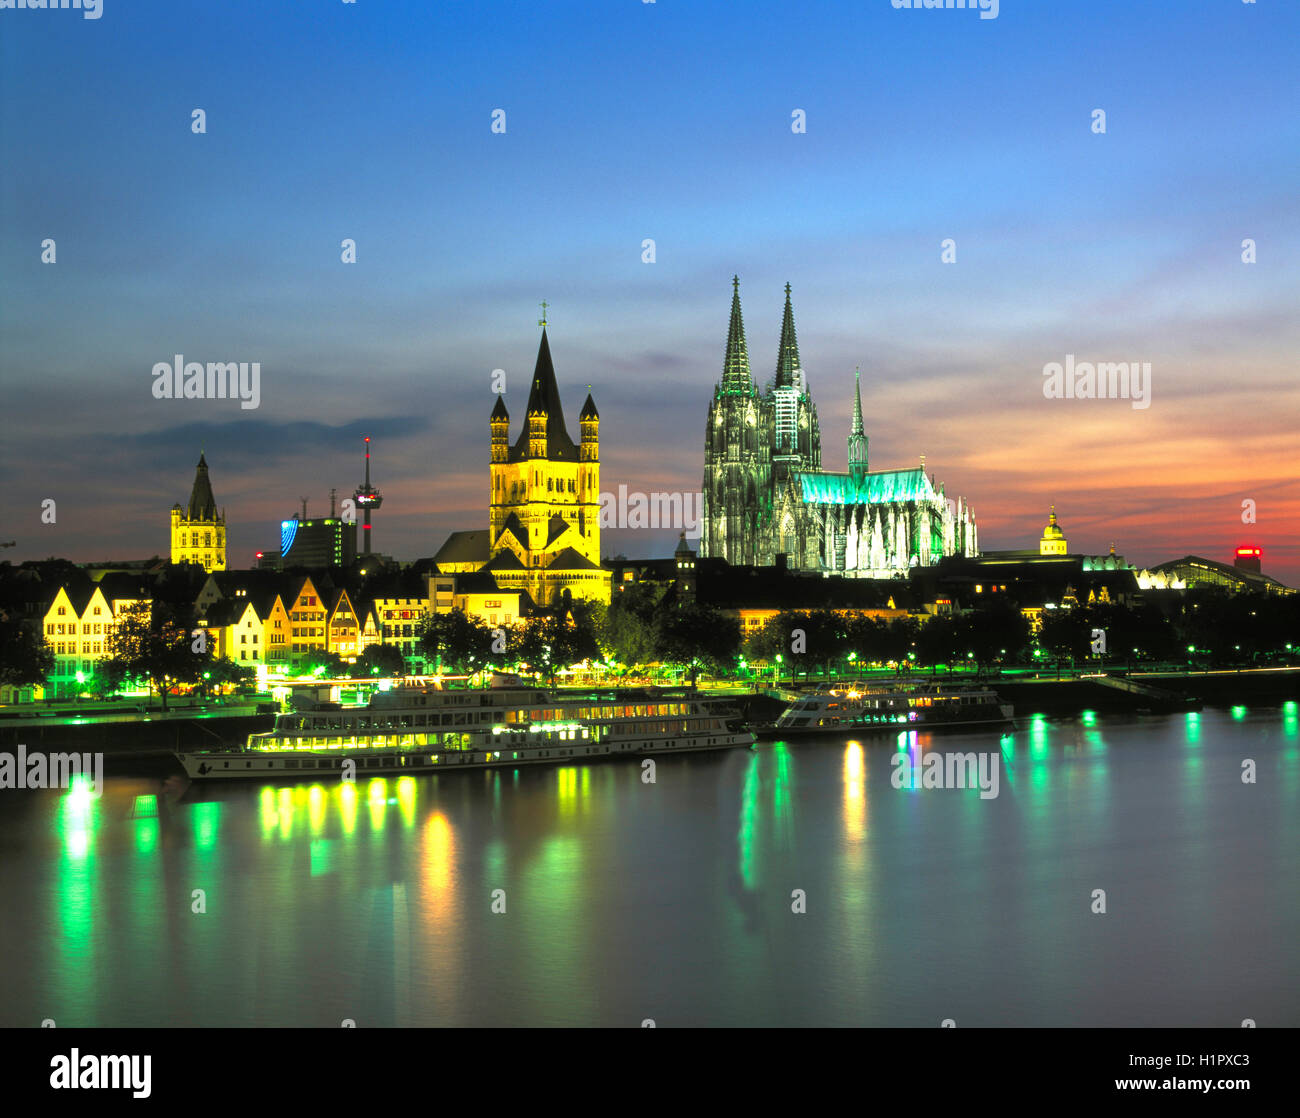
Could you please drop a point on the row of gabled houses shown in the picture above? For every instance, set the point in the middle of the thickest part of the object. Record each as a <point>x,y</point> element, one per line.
<point>258,618</point>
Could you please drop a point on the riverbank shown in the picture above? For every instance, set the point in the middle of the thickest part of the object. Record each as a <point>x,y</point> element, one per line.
<point>145,743</point>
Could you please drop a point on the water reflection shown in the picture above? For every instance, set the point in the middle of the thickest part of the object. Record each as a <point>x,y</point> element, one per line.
<point>583,895</point>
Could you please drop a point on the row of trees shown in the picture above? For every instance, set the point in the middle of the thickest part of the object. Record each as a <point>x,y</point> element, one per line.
<point>160,644</point>
<point>151,643</point>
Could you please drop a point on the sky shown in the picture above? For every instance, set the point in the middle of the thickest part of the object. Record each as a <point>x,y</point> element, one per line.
<point>672,122</point>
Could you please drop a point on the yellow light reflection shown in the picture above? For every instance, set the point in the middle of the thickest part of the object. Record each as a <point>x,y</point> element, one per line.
<point>348,806</point>
<point>316,809</point>
<point>406,800</point>
<point>377,797</point>
<point>855,800</point>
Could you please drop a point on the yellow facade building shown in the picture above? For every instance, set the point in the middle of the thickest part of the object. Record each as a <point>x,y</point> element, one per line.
<point>1053,541</point>
<point>198,531</point>
<point>77,628</point>
<point>544,523</point>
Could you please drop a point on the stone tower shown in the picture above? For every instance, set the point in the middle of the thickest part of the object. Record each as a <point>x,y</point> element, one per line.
<point>198,531</point>
<point>736,498</point>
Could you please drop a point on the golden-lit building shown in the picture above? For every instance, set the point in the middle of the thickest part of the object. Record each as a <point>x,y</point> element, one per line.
<point>306,621</point>
<point>543,532</point>
<point>344,627</point>
<point>77,627</point>
<point>198,530</point>
<point>1053,541</point>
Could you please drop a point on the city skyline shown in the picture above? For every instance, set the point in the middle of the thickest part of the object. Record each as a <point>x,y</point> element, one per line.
<point>226,246</point>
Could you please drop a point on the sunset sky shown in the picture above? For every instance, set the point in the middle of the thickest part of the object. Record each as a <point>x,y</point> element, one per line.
<point>670,121</point>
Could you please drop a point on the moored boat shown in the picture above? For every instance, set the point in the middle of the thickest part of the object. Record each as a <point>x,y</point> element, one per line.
<point>426,728</point>
<point>889,705</point>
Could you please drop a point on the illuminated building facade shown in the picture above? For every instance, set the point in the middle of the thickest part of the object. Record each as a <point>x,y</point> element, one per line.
<point>765,493</point>
<point>1053,541</point>
<point>198,531</point>
<point>543,533</point>
<point>77,627</point>
<point>315,544</point>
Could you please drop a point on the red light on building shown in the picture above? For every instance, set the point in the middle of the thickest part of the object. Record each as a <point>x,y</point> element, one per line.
<point>1249,551</point>
<point>1248,559</point>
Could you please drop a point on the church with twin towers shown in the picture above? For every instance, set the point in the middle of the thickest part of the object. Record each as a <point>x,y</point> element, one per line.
<point>765,494</point>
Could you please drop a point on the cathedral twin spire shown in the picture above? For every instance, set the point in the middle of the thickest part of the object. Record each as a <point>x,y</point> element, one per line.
<point>787,354</point>
<point>736,375</point>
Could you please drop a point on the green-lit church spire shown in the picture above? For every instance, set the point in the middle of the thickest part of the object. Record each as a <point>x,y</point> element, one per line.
<point>857,439</point>
<point>787,356</point>
<point>736,376</point>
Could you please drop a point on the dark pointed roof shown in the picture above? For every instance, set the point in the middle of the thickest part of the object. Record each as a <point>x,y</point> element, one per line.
<point>499,409</point>
<point>556,527</point>
<point>544,397</point>
<point>515,527</point>
<point>464,547</point>
<point>787,354</point>
<point>571,560</point>
<point>202,506</point>
<point>504,560</point>
<point>589,409</point>
<point>736,376</point>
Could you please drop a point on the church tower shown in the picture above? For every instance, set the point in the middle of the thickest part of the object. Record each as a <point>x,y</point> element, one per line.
<point>198,531</point>
<point>544,523</point>
<point>736,497</point>
<point>796,438</point>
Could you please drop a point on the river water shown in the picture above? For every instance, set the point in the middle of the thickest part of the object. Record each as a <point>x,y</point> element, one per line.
<point>785,885</point>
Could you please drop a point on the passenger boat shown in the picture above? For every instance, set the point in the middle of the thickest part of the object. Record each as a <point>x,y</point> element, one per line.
<point>429,728</point>
<point>890,705</point>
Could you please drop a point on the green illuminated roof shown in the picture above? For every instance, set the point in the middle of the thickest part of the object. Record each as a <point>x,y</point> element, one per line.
<point>881,487</point>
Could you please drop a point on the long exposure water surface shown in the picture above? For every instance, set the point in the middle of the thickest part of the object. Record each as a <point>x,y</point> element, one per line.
<point>674,901</point>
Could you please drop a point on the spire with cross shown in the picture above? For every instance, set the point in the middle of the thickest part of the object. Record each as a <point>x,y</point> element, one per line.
<point>542,321</point>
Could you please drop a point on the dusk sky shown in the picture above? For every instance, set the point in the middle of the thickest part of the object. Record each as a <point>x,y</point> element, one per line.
<point>669,121</point>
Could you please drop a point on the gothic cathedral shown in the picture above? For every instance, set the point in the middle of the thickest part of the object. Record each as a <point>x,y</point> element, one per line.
<point>765,493</point>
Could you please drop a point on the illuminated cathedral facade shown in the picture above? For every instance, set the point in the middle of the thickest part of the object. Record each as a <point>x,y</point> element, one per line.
<point>765,493</point>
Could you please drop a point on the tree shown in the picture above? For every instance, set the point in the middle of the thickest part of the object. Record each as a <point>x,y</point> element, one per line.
<point>25,657</point>
<point>456,640</point>
<point>1065,633</point>
<point>320,661</point>
<point>152,642</point>
<point>382,659</point>
<point>555,640</point>
<point>998,632</point>
<point>226,670</point>
<point>695,635</point>
<point>627,630</point>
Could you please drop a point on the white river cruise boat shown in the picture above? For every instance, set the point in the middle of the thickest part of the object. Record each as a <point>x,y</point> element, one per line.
<point>891,705</point>
<point>426,728</point>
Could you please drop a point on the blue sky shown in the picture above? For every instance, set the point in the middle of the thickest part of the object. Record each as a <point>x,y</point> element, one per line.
<point>669,121</point>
